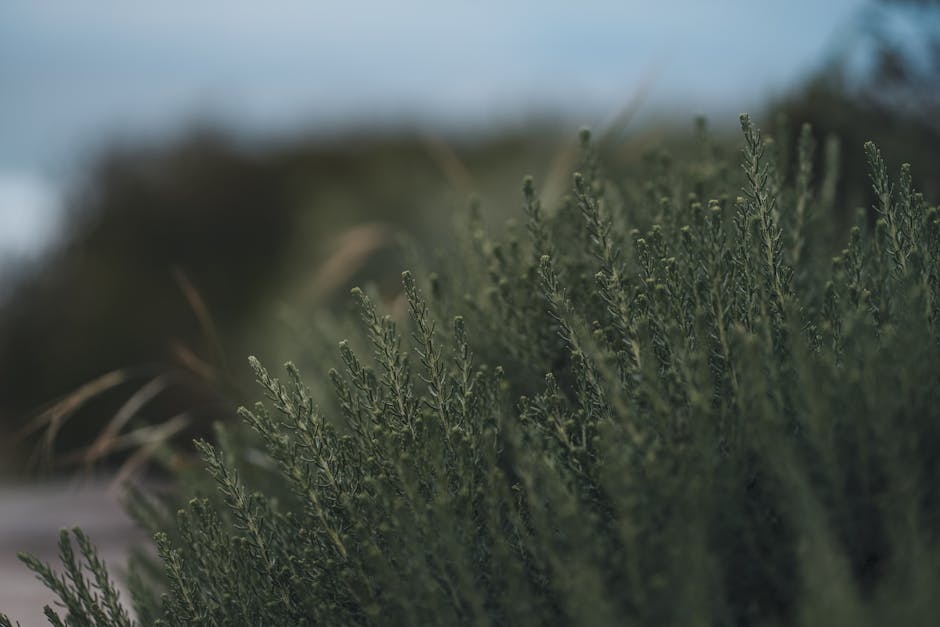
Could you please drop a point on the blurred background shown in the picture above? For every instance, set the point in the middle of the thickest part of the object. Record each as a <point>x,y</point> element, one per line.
<point>181,181</point>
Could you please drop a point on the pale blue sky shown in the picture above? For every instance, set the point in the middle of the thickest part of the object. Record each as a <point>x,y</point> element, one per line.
<point>75,75</point>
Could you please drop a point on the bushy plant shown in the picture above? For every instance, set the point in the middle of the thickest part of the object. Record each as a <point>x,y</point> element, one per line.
<point>678,398</point>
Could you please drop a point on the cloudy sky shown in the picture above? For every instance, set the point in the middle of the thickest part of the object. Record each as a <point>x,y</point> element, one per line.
<point>76,75</point>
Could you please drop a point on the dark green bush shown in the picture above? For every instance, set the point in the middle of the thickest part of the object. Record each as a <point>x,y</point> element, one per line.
<point>681,398</point>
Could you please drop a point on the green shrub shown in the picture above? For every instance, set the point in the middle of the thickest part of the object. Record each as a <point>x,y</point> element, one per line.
<point>665,402</point>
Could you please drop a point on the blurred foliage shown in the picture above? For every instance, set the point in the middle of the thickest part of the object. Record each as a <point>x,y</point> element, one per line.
<point>880,83</point>
<point>172,252</point>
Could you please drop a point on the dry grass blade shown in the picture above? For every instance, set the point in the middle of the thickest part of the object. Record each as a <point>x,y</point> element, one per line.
<point>108,438</point>
<point>192,362</point>
<point>452,167</point>
<point>121,442</point>
<point>619,121</point>
<point>150,440</point>
<point>353,250</point>
<point>57,415</point>
<point>201,311</point>
<point>53,419</point>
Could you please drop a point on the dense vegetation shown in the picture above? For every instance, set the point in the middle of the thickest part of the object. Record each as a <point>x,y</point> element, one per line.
<point>684,398</point>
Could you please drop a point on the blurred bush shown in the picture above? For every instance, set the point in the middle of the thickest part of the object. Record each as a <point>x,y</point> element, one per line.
<point>880,83</point>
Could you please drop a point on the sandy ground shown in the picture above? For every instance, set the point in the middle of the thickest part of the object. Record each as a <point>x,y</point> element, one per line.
<point>30,519</point>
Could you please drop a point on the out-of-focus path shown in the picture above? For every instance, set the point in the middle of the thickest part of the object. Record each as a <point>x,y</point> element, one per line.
<point>30,518</point>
